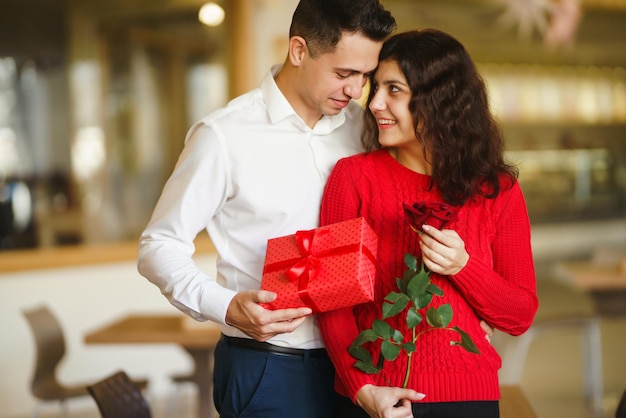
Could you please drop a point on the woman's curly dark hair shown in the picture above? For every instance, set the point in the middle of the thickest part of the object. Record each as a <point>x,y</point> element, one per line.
<point>451,114</point>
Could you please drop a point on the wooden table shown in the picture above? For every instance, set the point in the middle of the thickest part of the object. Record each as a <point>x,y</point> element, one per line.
<point>199,341</point>
<point>605,283</point>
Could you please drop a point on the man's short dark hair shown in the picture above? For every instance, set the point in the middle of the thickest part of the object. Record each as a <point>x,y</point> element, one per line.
<point>322,22</point>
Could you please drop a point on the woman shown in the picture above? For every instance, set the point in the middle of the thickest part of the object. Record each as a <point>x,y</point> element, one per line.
<point>432,139</point>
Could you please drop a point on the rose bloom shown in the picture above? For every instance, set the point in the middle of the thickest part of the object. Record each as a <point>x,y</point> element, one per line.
<point>435,214</point>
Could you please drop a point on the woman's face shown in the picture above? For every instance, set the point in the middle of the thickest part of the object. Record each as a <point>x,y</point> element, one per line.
<point>390,107</point>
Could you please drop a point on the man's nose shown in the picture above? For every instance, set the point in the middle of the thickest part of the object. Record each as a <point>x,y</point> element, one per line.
<point>354,88</point>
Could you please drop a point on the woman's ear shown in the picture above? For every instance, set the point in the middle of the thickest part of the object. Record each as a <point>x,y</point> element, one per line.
<point>297,50</point>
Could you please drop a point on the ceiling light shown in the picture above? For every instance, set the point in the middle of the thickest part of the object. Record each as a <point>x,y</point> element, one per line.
<point>211,14</point>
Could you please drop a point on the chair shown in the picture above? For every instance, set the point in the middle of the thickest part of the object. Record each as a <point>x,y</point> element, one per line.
<point>621,407</point>
<point>119,397</point>
<point>50,349</point>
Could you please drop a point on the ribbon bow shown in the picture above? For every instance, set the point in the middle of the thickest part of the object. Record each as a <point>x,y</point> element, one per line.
<point>308,266</point>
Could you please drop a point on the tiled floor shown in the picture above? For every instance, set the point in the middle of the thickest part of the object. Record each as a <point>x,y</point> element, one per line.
<point>552,377</point>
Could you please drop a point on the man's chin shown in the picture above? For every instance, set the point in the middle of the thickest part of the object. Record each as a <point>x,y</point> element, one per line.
<point>333,110</point>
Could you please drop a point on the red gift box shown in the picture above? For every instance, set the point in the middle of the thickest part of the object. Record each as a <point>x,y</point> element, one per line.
<point>327,268</point>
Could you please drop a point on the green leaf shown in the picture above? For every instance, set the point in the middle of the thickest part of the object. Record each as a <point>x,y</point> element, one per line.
<point>413,318</point>
<point>433,317</point>
<point>382,329</point>
<point>400,284</point>
<point>433,289</point>
<point>445,311</point>
<point>410,261</point>
<point>360,353</point>
<point>364,336</point>
<point>389,351</point>
<point>380,363</point>
<point>394,296</point>
<point>418,285</point>
<point>466,341</point>
<point>398,305</point>
<point>409,347</point>
<point>404,281</point>
<point>422,301</point>
<point>397,336</point>
<point>366,367</point>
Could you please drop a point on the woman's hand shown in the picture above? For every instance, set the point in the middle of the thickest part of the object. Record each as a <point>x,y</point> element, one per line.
<point>443,251</point>
<point>387,402</point>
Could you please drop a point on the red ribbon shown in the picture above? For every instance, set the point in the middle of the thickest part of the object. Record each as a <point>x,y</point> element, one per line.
<point>306,268</point>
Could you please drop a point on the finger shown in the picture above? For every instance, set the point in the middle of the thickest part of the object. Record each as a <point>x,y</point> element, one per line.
<point>290,314</point>
<point>285,327</point>
<point>403,409</point>
<point>432,245</point>
<point>432,254</point>
<point>273,328</point>
<point>447,237</point>
<point>432,267</point>
<point>410,395</point>
<point>431,230</point>
<point>489,331</point>
<point>265,296</point>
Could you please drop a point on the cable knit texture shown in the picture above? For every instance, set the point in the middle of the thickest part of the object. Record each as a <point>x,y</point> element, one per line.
<point>497,284</point>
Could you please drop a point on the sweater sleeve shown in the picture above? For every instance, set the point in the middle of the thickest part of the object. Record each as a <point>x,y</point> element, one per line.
<point>339,327</point>
<point>504,296</point>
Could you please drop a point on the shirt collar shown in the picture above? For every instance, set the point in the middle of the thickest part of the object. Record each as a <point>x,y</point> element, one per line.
<point>278,108</point>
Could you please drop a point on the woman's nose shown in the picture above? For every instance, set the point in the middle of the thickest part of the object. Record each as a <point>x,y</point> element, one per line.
<point>377,102</point>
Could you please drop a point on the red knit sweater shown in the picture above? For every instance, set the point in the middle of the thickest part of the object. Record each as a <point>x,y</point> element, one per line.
<point>497,284</point>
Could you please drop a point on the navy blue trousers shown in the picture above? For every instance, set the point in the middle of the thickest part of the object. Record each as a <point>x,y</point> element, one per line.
<point>254,384</point>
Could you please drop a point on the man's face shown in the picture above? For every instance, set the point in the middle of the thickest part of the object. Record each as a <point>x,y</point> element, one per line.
<point>329,81</point>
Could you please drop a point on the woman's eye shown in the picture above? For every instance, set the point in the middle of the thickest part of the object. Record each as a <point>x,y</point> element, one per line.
<point>393,89</point>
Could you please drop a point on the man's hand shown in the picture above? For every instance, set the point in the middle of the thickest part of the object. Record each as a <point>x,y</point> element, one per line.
<point>489,331</point>
<point>245,314</point>
<point>387,402</point>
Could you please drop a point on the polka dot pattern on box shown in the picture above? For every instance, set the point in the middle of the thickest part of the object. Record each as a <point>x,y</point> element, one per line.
<point>340,272</point>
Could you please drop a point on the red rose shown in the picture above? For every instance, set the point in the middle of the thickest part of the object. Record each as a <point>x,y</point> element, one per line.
<point>435,214</point>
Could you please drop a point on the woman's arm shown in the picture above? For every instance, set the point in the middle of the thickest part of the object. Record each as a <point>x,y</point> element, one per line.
<point>505,296</point>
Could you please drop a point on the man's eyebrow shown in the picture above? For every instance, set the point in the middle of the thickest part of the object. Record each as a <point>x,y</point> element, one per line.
<point>351,71</point>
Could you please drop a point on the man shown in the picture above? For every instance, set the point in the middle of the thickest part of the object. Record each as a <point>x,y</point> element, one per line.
<point>255,170</point>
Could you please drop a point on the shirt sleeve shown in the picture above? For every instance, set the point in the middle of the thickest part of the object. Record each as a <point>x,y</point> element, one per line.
<point>339,327</point>
<point>193,194</point>
<point>504,295</point>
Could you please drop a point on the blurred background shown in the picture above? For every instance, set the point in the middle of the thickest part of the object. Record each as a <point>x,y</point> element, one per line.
<point>97,95</point>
